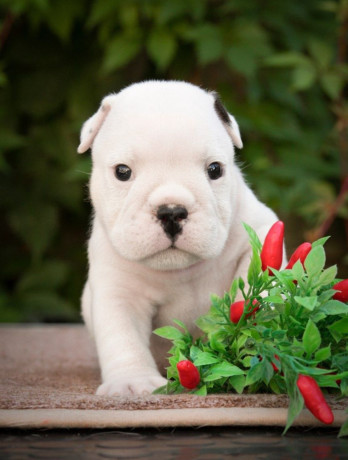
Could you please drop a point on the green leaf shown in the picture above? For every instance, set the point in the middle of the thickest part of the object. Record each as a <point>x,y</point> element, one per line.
<point>121,50</point>
<point>273,299</point>
<point>241,55</point>
<point>128,14</point>
<point>238,383</point>
<point>332,83</point>
<point>241,284</point>
<point>341,375</point>
<point>161,46</point>
<point>320,242</point>
<point>285,277</point>
<point>215,341</point>
<point>101,11</point>
<point>298,270</point>
<point>256,373</point>
<point>315,261</point>
<point>325,296</point>
<point>344,387</point>
<point>209,44</point>
<point>246,361</point>
<point>51,274</point>
<point>286,59</point>
<point>163,390</point>
<point>61,18</point>
<point>344,429</point>
<point>194,352</point>
<point>206,323</point>
<point>340,360</point>
<point>233,290</point>
<point>181,324</point>
<point>339,329</point>
<point>254,268</point>
<point>304,369</point>
<point>253,238</point>
<point>334,307</point>
<point>297,348</point>
<point>323,354</point>
<point>303,77</point>
<point>268,372</point>
<point>169,332</point>
<point>279,334</point>
<point>295,398</point>
<point>311,338</point>
<point>11,140</point>
<point>307,302</point>
<point>224,369</point>
<point>328,275</point>
<point>227,299</point>
<point>204,358</point>
<point>321,51</point>
<point>317,316</point>
<point>327,381</point>
<point>202,391</point>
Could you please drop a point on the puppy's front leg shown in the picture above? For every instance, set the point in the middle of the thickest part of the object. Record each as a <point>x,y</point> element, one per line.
<point>122,333</point>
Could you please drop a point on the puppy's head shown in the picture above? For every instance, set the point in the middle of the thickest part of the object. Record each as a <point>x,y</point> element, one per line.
<point>162,183</point>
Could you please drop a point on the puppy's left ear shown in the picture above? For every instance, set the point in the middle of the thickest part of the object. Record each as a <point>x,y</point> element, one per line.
<point>92,126</point>
<point>228,120</point>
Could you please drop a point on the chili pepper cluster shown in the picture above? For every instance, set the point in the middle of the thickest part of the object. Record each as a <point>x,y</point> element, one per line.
<point>288,334</point>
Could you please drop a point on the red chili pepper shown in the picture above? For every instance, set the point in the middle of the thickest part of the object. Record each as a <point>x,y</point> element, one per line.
<point>237,308</point>
<point>272,249</point>
<point>188,374</point>
<point>300,254</point>
<point>342,288</point>
<point>314,399</point>
<point>275,368</point>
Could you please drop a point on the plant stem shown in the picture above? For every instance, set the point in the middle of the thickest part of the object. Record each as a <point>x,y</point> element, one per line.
<point>342,132</point>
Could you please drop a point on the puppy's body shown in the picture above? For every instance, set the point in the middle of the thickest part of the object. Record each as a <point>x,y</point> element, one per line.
<point>169,235</point>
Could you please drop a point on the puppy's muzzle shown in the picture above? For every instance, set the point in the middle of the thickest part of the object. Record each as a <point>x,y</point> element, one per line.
<point>171,218</point>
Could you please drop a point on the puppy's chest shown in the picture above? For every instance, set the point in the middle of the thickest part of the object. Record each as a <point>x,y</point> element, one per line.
<point>186,302</point>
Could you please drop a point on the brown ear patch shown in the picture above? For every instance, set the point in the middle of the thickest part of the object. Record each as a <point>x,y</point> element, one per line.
<point>220,109</point>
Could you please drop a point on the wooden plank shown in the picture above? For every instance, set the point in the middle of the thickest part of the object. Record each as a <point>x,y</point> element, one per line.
<point>233,416</point>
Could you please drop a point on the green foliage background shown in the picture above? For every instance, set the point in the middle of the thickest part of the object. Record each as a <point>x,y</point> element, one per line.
<point>280,68</point>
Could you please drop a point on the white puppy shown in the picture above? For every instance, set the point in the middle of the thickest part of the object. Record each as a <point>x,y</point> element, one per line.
<point>167,232</point>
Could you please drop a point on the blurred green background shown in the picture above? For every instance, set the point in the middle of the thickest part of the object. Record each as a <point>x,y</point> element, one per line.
<point>279,66</point>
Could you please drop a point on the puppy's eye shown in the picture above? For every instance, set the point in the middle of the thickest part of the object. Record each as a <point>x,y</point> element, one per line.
<point>215,170</point>
<point>123,172</point>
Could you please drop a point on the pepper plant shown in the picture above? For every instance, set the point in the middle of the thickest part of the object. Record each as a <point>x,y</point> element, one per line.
<point>291,323</point>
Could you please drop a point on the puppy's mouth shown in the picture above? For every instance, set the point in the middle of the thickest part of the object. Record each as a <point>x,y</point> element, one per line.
<point>172,258</point>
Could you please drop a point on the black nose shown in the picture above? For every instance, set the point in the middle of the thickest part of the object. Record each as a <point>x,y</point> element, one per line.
<point>170,218</point>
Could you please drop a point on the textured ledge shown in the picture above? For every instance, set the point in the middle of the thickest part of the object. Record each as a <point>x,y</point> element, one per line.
<point>49,374</point>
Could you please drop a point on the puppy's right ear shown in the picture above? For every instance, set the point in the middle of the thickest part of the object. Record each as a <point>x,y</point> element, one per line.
<point>92,126</point>
<point>228,121</point>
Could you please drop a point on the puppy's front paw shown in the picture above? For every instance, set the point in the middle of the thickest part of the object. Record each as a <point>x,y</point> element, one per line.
<point>131,384</point>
